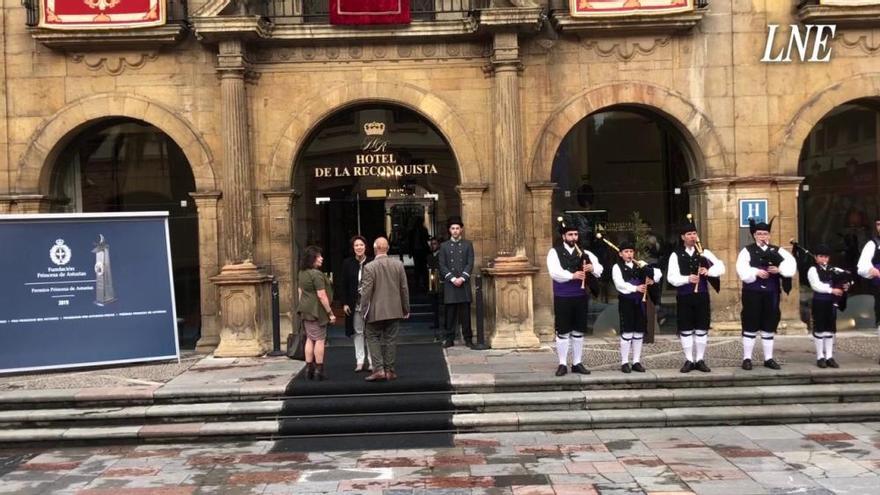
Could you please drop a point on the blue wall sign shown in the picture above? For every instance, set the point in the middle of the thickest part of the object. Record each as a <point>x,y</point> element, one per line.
<point>752,208</point>
<point>85,289</point>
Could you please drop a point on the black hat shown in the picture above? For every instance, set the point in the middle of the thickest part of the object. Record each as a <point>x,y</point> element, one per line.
<point>822,249</point>
<point>566,224</point>
<point>627,244</point>
<point>686,227</point>
<point>454,221</point>
<point>756,226</point>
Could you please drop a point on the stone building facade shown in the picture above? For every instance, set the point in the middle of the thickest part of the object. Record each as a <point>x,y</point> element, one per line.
<point>240,88</point>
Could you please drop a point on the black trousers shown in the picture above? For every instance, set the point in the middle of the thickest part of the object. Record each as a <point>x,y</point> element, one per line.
<point>760,311</point>
<point>693,312</point>
<point>459,314</point>
<point>877,305</point>
<point>571,314</point>
<point>632,315</point>
<point>824,316</point>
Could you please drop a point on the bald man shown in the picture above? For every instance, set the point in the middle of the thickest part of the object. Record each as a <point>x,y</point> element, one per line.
<point>384,302</point>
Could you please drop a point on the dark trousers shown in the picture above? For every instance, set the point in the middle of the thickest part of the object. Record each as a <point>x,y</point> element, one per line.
<point>459,314</point>
<point>435,309</point>
<point>877,306</point>
<point>824,316</point>
<point>760,311</point>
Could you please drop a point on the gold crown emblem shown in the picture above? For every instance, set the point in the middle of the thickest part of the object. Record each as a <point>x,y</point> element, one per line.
<point>374,128</point>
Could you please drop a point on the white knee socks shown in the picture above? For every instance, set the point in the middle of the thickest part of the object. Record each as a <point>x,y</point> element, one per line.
<point>748,345</point>
<point>625,346</point>
<point>687,345</point>
<point>562,349</point>
<point>767,344</point>
<point>577,348</point>
<point>637,349</point>
<point>701,339</point>
<point>829,346</point>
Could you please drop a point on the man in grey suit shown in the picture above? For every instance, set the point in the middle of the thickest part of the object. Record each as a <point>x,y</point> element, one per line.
<point>456,261</point>
<point>384,302</point>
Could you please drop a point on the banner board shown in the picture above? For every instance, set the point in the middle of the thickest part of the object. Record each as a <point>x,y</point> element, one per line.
<point>85,289</point>
<point>599,8</point>
<point>101,14</point>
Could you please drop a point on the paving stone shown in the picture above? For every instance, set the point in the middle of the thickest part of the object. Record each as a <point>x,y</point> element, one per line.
<point>727,487</point>
<point>783,480</point>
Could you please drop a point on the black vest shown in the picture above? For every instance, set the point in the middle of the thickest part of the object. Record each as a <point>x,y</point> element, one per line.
<point>687,264</point>
<point>876,259</point>
<point>569,262</point>
<point>825,275</point>
<point>760,258</point>
<point>634,275</point>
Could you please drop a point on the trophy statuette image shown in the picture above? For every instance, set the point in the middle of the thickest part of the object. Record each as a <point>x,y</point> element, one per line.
<point>104,293</point>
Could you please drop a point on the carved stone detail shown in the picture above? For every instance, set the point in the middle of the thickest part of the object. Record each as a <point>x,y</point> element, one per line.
<point>626,49</point>
<point>371,53</point>
<point>113,64</point>
<point>861,42</point>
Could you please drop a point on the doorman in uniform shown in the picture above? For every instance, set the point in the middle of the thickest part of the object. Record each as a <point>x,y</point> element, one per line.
<point>456,261</point>
<point>765,271</point>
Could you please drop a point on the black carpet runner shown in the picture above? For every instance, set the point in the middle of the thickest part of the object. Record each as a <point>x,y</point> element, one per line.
<point>346,412</point>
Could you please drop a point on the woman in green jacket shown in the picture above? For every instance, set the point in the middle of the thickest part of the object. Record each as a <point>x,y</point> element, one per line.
<point>315,294</point>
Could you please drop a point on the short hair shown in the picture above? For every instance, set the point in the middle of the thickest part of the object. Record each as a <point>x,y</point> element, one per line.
<point>358,238</point>
<point>309,256</point>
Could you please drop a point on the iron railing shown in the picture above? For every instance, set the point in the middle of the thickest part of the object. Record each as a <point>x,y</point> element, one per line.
<point>317,11</point>
<point>178,11</point>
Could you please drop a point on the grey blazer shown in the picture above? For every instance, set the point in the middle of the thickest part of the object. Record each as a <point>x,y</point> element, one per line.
<point>384,292</point>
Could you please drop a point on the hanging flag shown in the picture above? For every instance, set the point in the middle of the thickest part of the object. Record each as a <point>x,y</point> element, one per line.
<point>101,14</point>
<point>359,12</point>
<point>595,8</point>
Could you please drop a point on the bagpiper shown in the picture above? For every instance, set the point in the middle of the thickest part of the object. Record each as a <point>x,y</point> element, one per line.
<point>869,268</point>
<point>691,270</point>
<point>575,273</point>
<point>632,279</point>
<point>826,298</point>
<point>765,270</point>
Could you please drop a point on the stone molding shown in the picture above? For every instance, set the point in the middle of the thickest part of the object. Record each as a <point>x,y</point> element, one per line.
<point>628,25</point>
<point>37,161</point>
<point>786,144</point>
<point>626,49</point>
<point>859,16</point>
<point>359,52</point>
<point>326,103</point>
<point>244,27</point>
<point>709,156</point>
<point>93,40</point>
<point>457,28</point>
<point>861,42</point>
<point>114,64</point>
<point>524,20</point>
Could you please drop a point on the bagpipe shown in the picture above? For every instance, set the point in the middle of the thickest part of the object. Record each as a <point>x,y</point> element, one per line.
<point>643,270</point>
<point>703,262</point>
<point>590,280</point>
<point>840,278</point>
<point>771,257</point>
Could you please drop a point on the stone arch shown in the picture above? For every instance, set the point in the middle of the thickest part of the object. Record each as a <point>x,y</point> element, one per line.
<point>429,106</point>
<point>707,153</point>
<point>785,158</point>
<point>50,138</point>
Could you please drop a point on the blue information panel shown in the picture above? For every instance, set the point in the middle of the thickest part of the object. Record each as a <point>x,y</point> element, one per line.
<point>752,208</point>
<point>85,289</point>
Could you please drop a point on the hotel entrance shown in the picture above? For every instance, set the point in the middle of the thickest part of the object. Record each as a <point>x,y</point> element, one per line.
<point>370,170</point>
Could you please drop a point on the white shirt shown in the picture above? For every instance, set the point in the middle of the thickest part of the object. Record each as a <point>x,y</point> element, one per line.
<point>624,287</point>
<point>865,258</point>
<point>817,285</point>
<point>749,274</point>
<point>562,275</point>
<point>673,273</point>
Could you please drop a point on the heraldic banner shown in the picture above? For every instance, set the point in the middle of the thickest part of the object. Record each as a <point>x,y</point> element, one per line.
<point>358,12</point>
<point>598,8</point>
<point>101,14</point>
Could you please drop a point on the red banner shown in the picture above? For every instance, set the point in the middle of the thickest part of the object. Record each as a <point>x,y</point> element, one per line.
<point>101,14</point>
<point>358,12</point>
<point>596,8</point>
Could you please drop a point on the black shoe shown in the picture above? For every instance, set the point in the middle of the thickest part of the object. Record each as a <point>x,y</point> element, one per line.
<point>702,366</point>
<point>319,372</point>
<point>625,368</point>
<point>469,344</point>
<point>638,367</point>
<point>561,370</point>
<point>821,363</point>
<point>310,371</point>
<point>773,365</point>
<point>579,368</point>
<point>687,367</point>
<point>832,363</point>
<point>448,343</point>
<point>747,364</point>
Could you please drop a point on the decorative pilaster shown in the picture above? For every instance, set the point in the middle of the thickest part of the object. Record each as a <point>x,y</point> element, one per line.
<point>209,265</point>
<point>509,294</point>
<point>281,205</point>
<point>245,302</point>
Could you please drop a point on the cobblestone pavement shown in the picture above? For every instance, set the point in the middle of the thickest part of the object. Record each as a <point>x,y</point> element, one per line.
<point>804,459</point>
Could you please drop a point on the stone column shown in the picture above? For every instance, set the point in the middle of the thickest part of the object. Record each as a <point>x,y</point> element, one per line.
<point>511,312</point>
<point>244,287</point>
<point>281,252</point>
<point>209,265</point>
<point>543,235</point>
<point>715,204</point>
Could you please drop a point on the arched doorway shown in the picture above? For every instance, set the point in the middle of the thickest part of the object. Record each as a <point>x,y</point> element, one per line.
<point>374,169</point>
<point>838,202</point>
<point>623,169</point>
<point>126,165</point>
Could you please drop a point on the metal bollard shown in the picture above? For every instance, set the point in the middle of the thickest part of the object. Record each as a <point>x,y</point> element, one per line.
<point>481,333</point>
<point>276,323</point>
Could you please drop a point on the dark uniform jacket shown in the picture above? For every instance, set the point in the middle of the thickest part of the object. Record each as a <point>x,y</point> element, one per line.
<point>456,259</point>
